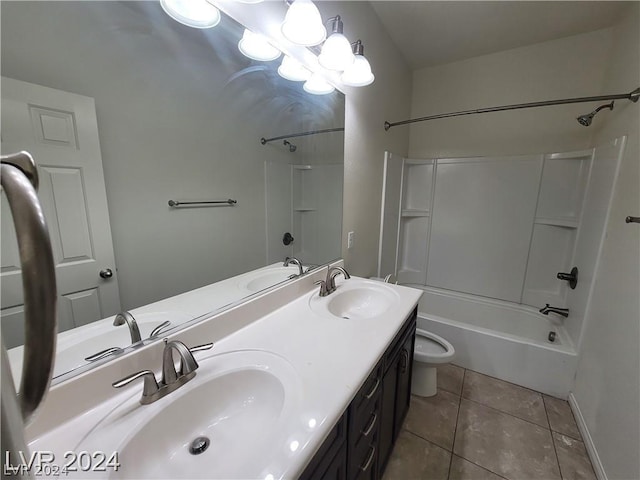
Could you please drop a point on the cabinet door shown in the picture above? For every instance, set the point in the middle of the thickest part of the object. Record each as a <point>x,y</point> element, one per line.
<point>387,415</point>
<point>403,392</point>
<point>337,469</point>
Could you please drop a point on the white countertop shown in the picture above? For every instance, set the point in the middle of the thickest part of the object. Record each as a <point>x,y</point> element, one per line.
<point>332,358</point>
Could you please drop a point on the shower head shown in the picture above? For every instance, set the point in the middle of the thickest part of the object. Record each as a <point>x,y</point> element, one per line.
<point>585,120</point>
<point>292,147</point>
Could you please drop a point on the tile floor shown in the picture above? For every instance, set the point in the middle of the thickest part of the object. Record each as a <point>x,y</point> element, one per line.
<point>481,428</point>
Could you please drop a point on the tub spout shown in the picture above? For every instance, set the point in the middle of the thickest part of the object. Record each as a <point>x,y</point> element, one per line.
<point>560,311</point>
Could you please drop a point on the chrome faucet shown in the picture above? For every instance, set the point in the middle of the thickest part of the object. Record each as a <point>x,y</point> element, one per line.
<point>560,311</point>
<point>293,261</point>
<point>172,379</point>
<point>328,285</point>
<point>126,317</point>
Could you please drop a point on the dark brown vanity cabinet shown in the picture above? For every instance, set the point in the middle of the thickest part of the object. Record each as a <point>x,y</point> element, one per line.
<point>359,446</point>
<point>396,389</point>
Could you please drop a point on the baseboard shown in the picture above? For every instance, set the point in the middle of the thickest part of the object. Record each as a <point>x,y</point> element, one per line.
<point>586,437</point>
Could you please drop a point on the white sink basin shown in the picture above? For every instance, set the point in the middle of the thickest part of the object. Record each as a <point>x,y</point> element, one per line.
<point>240,401</point>
<point>261,279</point>
<point>360,299</point>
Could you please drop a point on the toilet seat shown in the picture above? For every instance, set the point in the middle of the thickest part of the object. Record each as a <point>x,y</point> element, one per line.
<point>430,348</point>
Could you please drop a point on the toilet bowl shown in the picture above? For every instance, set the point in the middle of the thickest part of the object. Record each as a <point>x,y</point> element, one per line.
<point>430,351</point>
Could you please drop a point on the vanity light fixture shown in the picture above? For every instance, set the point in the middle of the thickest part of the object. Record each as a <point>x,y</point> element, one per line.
<point>293,70</point>
<point>317,85</point>
<point>336,52</point>
<point>193,13</point>
<point>257,47</point>
<point>358,74</point>
<point>303,24</point>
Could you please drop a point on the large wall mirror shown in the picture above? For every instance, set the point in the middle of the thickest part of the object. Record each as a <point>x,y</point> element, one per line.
<point>125,109</point>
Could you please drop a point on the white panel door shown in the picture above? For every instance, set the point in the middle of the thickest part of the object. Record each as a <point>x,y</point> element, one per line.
<point>60,131</point>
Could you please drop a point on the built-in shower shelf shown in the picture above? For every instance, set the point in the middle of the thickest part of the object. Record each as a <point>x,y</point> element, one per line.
<point>413,212</point>
<point>567,222</point>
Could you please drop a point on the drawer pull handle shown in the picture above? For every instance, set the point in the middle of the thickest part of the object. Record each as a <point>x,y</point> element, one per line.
<point>367,464</point>
<point>372,423</point>
<point>373,390</point>
<point>404,361</point>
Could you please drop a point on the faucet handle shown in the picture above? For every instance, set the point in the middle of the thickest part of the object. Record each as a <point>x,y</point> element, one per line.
<point>188,367</point>
<point>199,348</point>
<point>159,329</point>
<point>103,353</point>
<point>150,384</point>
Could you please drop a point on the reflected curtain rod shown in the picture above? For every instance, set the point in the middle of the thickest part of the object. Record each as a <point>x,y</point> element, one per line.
<point>633,96</point>
<point>264,141</point>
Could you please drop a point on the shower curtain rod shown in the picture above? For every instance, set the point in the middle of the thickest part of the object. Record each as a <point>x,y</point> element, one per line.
<point>633,96</point>
<point>264,141</point>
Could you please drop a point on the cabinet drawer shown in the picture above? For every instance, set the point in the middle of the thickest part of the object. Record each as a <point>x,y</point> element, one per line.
<point>368,394</point>
<point>365,465</point>
<point>364,427</point>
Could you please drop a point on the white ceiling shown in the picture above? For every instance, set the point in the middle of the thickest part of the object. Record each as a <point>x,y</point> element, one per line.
<point>437,32</point>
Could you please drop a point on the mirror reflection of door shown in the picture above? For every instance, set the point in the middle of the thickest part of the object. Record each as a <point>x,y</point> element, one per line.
<point>60,130</point>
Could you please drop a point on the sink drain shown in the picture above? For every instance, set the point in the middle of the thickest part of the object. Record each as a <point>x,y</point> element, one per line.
<point>199,445</point>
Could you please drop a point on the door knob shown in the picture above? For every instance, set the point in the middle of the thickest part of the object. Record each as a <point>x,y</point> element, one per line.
<point>631,219</point>
<point>106,273</point>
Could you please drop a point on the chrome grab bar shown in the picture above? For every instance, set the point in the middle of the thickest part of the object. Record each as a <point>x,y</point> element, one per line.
<point>19,179</point>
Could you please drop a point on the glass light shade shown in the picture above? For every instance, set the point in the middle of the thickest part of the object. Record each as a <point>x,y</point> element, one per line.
<point>257,47</point>
<point>358,74</point>
<point>293,70</point>
<point>336,53</point>
<point>318,85</point>
<point>303,24</point>
<point>193,13</point>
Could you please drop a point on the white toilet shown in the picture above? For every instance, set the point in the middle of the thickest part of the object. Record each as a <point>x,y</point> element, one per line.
<point>430,351</point>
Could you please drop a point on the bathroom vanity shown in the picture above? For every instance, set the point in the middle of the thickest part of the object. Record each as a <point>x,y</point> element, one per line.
<point>359,445</point>
<point>295,386</point>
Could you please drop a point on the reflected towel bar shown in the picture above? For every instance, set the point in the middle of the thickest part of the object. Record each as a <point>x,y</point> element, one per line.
<point>229,201</point>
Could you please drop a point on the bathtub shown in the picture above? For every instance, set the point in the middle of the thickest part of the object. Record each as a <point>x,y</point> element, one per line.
<point>501,339</point>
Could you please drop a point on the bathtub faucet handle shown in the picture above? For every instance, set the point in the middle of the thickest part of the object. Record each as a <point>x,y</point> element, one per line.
<point>571,277</point>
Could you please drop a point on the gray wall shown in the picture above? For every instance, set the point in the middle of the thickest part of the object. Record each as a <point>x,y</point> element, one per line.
<point>366,110</point>
<point>607,388</point>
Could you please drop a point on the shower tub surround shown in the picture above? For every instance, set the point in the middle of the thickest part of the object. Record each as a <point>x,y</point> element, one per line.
<point>328,358</point>
<point>501,339</point>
